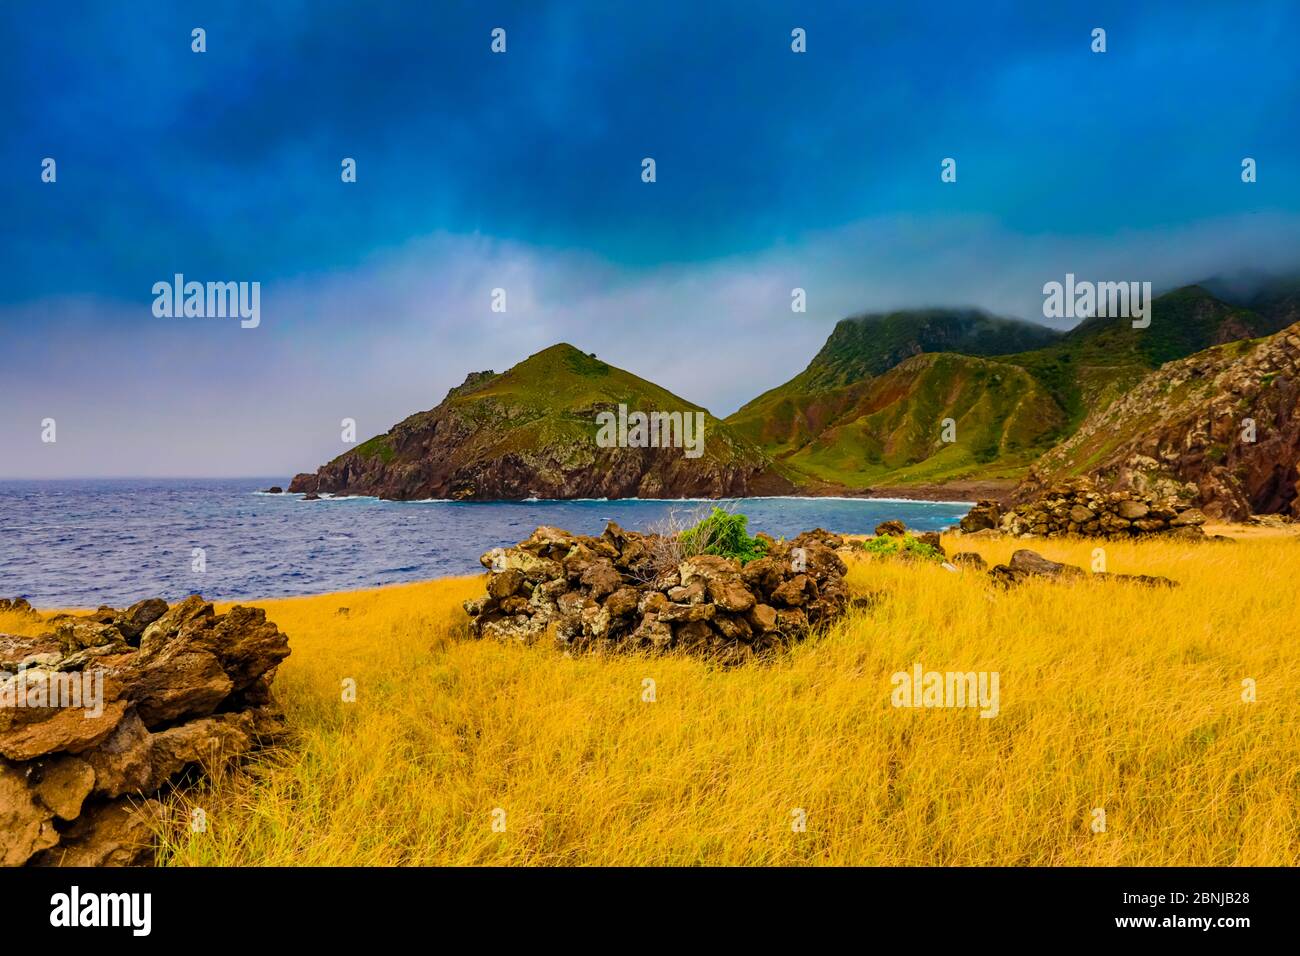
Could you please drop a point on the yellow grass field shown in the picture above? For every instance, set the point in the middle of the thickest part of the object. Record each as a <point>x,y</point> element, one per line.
<point>1112,696</point>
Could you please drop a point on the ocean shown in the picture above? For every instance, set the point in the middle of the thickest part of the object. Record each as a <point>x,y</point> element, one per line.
<point>72,544</point>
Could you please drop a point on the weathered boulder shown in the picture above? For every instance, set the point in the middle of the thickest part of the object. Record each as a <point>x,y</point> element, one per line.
<point>115,834</point>
<point>983,515</point>
<point>968,559</point>
<point>1026,565</point>
<point>25,823</point>
<point>932,539</point>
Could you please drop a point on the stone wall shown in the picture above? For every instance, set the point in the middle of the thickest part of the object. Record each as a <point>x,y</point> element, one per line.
<point>141,695</point>
<point>1077,508</point>
<point>625,590</point>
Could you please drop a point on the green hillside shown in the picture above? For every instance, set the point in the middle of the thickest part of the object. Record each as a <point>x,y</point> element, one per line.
<point>1102,358</point>
<point>787,417</point>
<point>866,409</point>
<point>892,430</point>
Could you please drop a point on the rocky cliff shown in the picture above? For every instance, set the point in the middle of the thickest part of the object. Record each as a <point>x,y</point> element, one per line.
<point>1220,429</point>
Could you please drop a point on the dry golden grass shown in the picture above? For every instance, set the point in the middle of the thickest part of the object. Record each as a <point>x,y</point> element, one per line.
<point>1112,696</point>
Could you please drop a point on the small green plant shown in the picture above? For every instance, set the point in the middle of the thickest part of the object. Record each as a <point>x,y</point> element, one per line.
<point>891,545</point>
<point>723,534</point>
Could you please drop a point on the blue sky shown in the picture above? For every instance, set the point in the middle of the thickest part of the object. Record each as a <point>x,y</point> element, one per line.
<point>522,171</point>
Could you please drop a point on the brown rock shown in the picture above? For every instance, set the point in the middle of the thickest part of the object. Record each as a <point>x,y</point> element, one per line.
<point>601,578</point>
<point>654,632</point>
<point>245,644</point>
<point>169,626</point>
<point>668,579</point>
<point>76,635</point>
<point>1132,510</point>
<point>695,635</point>
<point>969,559</point>
<point>1027,564</point>
<point>1145,580</point>
<point>983,516</point>
<point>1031,562</point>
<point>732,628</point>
<point>791,621</point>
<point>64,783</point>
<point>1191,518</point>
<point>731,596</point>
<point>764,575</point>
<point>573,602</point>
<point>893,528</point>
<point>793,592</point>
<point>933,539</point>
<point>117,834</point>
<point>694,594</point>
<point>180,680</point>
<point>506,583</point>
<point>622,602</point>
<point>134,620</point>
<point>28,733</point>
<point>652,602</point>
<point>16,651</point>
<point>122,763</point>
<point>675,613</point>
<point>548,539</point>
<point>26,827</point>
<point>211,742</point>
<point>91,771</point>
<point>708,567</point>
<point>762,618</point>
<point>1081,515</point>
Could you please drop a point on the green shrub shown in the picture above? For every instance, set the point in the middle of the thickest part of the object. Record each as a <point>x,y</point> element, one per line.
<point>889,545</point>
<point>725,535</point>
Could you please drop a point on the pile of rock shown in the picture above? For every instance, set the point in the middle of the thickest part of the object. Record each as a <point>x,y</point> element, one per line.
<point>99,712</point>
<point>627,590</point>
<point>1076,507</point>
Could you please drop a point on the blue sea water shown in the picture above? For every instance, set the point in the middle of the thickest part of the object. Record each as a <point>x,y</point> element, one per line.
<point>86,543</point>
